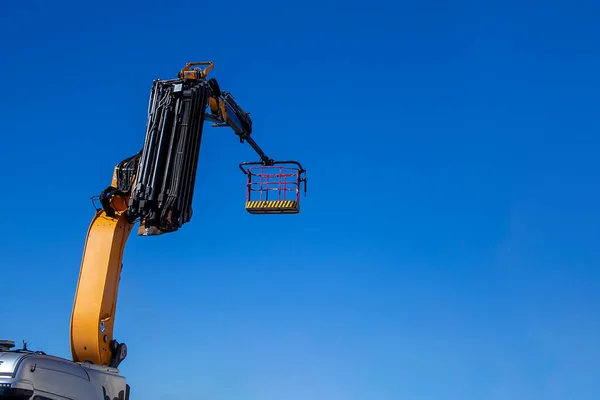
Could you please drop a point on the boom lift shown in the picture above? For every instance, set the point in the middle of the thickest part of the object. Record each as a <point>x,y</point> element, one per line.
<point>155,187</point>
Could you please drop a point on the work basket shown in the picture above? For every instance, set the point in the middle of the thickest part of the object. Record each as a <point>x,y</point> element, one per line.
<point>273,189</point>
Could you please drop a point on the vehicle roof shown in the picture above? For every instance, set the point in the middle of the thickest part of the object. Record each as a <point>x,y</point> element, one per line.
<point>9,361</point>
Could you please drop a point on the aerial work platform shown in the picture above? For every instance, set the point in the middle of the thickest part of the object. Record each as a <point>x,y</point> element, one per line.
<point>274,189</point>
<point>155,188</point>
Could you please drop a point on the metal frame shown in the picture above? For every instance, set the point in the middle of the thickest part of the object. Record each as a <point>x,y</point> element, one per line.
<point>301,174</point>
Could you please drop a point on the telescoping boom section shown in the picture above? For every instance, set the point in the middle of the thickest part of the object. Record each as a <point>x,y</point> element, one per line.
<point>155,187</point>
<point>164,188</point>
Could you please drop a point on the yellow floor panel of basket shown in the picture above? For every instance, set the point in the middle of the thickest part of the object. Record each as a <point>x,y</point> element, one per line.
<point>272,207</point>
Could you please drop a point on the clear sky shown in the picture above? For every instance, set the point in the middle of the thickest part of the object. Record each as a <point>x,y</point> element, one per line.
<point>448,245</point>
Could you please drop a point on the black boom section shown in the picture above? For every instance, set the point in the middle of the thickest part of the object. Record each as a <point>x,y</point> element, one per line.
<point>166,173</point>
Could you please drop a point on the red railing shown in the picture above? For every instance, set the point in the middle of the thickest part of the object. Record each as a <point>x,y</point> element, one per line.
<point>263,181</point>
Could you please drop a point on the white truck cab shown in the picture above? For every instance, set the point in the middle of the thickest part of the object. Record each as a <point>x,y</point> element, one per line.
<point>34,375</point>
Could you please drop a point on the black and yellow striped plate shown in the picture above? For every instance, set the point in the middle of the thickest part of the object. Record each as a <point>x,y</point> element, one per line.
<point>272,206</point>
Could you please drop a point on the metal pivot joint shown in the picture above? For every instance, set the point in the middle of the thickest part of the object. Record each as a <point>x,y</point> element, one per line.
<point>195,73</point>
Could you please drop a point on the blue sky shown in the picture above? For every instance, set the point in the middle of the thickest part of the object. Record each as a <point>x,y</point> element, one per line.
<point>448,246</point>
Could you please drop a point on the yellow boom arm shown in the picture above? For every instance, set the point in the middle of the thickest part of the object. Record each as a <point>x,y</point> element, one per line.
<point>93,316</point>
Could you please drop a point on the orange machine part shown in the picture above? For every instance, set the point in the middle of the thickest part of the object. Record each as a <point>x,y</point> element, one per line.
<point>93,315</point>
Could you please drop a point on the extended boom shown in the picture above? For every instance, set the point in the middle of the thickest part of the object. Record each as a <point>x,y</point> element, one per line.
<point>154,187</point>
